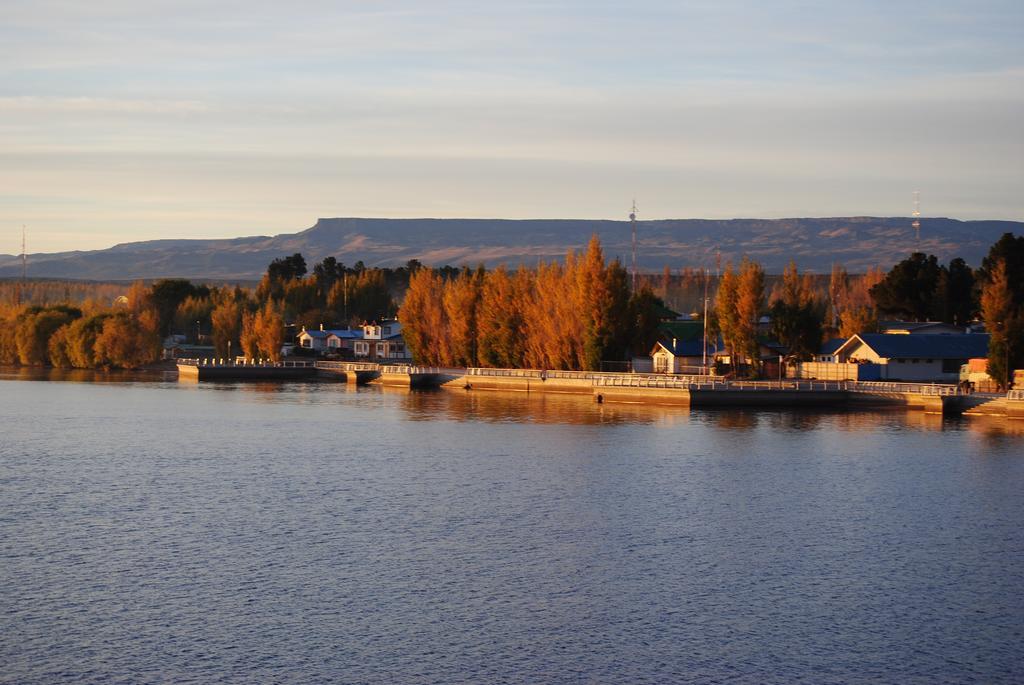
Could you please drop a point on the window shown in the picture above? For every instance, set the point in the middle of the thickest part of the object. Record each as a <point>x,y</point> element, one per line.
<point>381,349</point>
<point>362,348</point>
<point>387,330</point>
<point>307,342</point>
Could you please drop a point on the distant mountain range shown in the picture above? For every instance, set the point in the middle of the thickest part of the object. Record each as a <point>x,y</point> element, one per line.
<point>815,244</point>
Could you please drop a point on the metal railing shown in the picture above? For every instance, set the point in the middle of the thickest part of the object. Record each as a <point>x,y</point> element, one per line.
<point>1015,394</point>
<point>643,381</point>
<point>346,366</point>
<point>228,363</point>
<point>504,373</point>
<point>905,388</point>
<point>411,370</point>
<point>709,383</point>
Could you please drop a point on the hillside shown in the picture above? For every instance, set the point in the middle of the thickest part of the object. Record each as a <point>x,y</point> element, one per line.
<point>815,243</point>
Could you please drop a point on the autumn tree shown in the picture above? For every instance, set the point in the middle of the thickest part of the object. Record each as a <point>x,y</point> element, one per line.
<point>268,328</point>
<point>422,316</point>
<point>727,312</point>
<point>1004,320</point>
<point>34,328</point>
<point>81,340</point>
<point>853,307</point>
<point>461,301</point>
<point>602,302</point>
<point>226,320</point>
<point>126,341</point>
<point>749,307</point>
<point>500,319</point>
<point>796,316</point>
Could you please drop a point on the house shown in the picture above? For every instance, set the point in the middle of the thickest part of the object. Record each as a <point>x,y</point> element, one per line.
<point>679,356</point>
<point>342,342</point>
<point>328,341</point>
<point>932,357</point>
<point>315,340</point>
<point>382,342</point>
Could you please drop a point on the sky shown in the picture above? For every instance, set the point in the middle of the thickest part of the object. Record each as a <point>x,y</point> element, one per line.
<point>123,121</point>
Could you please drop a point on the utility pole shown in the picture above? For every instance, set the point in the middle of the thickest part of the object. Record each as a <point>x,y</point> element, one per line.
<point>704,360</point>
<point>632,221</point>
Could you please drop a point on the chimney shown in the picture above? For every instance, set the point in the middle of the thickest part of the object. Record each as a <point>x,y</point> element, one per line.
<point>321,327</point>
<point>673,345</point>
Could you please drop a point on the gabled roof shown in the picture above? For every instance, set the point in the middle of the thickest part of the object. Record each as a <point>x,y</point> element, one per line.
<point>687,348</point>
<point>346,333</point>
<point>319,334</point>
<point>927,345</point>
<point>831,346</point>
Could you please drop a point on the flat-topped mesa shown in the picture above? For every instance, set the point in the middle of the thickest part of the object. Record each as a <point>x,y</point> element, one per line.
<point>816,244</point>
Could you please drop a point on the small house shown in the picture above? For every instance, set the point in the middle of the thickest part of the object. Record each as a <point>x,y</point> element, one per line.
<point>679,356</point>
<point>927,357</point>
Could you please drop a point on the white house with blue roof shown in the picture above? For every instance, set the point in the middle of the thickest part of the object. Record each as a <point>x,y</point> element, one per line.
<point>918,357</point>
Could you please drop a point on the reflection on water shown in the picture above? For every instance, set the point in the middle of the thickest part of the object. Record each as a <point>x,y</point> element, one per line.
<point>316,532</point>
<point>31,373</point>
<point>541,408</point>
<point>552,408</point>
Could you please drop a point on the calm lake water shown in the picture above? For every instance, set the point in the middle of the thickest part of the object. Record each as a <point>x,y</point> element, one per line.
<point>156,532</point>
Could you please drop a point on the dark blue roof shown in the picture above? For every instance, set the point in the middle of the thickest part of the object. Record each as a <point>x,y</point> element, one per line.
<point>929,345</point>
<point>831,346</point>
<point>690,348</point>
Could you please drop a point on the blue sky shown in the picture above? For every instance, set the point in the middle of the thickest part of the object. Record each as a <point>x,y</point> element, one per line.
<point>125,121</point>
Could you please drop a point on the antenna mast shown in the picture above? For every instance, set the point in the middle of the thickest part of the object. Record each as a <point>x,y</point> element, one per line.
<point>917,220</point>
<point>632,220</point>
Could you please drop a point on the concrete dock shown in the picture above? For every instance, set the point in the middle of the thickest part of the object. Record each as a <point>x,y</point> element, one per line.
<point>251,370</point>
<point>634,388</point>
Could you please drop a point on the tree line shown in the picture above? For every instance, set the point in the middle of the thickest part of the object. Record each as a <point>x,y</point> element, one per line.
<point>571,315</point>
<point>574,314</point>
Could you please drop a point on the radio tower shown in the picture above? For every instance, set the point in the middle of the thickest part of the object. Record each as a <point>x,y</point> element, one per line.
<point>917,220</point>
<point>632,220</point>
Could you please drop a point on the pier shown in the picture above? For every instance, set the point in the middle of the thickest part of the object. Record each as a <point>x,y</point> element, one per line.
<point>636,388</point>
<point>250,369</point>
